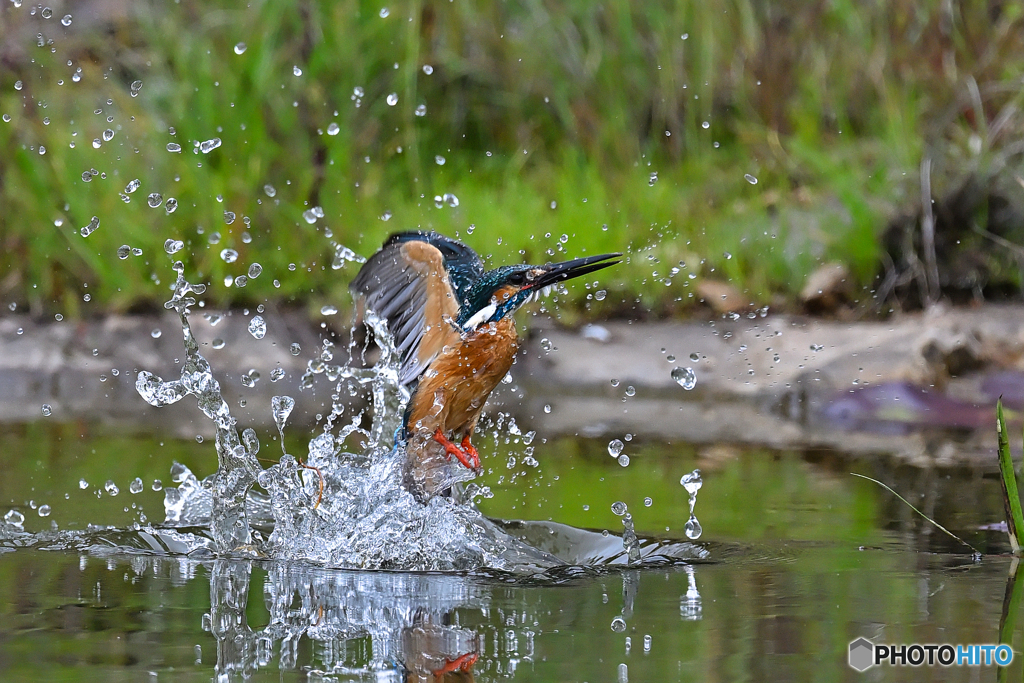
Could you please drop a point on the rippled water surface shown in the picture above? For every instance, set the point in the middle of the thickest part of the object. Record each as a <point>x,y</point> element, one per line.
<point>798,558</point>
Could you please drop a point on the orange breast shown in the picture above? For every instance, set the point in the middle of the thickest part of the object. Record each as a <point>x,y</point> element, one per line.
<point>452,393</point>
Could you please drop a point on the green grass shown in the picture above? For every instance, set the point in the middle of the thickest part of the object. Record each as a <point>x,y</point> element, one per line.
<point>830,105</point>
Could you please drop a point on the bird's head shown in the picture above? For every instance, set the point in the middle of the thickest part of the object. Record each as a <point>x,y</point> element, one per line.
<point>500,292</point>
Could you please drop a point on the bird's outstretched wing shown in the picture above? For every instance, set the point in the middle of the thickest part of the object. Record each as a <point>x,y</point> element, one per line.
<point>416,283</point>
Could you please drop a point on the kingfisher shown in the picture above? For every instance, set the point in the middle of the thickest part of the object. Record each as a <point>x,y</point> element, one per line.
<point>451,323</point>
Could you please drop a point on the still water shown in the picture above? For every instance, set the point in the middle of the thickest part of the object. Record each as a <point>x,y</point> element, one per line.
<point>797,559</point>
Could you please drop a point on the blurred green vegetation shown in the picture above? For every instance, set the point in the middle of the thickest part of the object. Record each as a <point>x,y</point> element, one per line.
<point>544,119</point>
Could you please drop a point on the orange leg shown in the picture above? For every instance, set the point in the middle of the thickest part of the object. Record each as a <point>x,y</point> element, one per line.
<point>465,663</point>
<point>468,457</point>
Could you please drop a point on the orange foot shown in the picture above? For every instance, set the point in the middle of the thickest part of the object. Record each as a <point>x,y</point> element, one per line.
<point>464,663</point>
<point>467,455</point>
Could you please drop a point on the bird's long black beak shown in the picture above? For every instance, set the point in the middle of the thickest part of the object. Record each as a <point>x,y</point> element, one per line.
<point>566,270</point>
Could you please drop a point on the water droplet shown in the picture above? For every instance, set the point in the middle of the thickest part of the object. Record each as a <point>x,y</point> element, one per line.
<point>615,447</point>
<point>618,624</point>
<point>44,510</point>
<point>653,179</point>
<point>281,407</point>
<point>58,317</point>
<point>255,270</point>
<point>648,502</point>
<point>750,179</point>
<point>229,217</point>
<point>18,85</point>
<point>248,379</point>
<point>296,71</point>
<point>358,91</point>
<point>91,228</point>
<point>258,327</point>
<point>384,12</point>
<point>450,199</point>
<point>111,488</point>
<point>132,186</point>
<point>692,482</point>
<point>66,20</point>
<point>136,486</point>
<point>47,410</point>
<point>136,251</point>
<point>155,334</point>
<point>295,349</point>
<point>438,201</point>
<point>816,347</point>
<point>217,343</point>
<point>207,146</point>
<point>136,86</point>
<point>705,125</point>
<point>97,143</point>
<point>693,529</point>
<point>173,147</point>
<point>623,460</point>
<point>276,374</point>
<point>170,205</point>
<point>421,110</point>
<point>87,177</point>
<point>685,377</point>
<point>229,255</point>
<point>83,484</point>
<point>619,508</point>
<point>547,408</point>
<point>333,128</point>
<point>269,190</point>
<point>154,200</point>
<point>240,48</point>
<point>124,251</point>
<point>108,135</point>
<point>157,485</point>
<point>393,99</point>
<point>241,281</point>
<point>173,246</point>
<point>427,69</point>
<point>14,518</point>
<point>630,390</point>
<point>328,309</point>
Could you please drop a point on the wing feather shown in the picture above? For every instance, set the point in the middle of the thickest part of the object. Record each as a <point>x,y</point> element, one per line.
<point>407,285</point>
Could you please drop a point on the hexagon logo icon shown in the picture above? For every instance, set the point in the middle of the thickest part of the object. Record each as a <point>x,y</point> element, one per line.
<point>862,654</point>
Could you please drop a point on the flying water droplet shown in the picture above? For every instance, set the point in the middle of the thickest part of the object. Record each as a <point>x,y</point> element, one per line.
<point>255,270</point>
<point>136,86</point>
<point>451,200</point>
<point>685,377</point>
<point>328,309</point>
<point>108,135</point>
<point>229,255</point>
<point>427,69</point>
<point>44,510</point>
<point>124,251</point>
<point>653,179</point>
<point>132,186</point>
<point>154,200</point>
<point>439,160</point>
<point>623,460</point>
<point>91,228</point>
<point>619,508</point>
<point>692,483</point>
<point>421,110</point>
<point>14,518</point>
<point>208,146</point>
<point>615,447</point>
<point>817,347</point>
<point>240,48</point>
<point>333,128</point>
<point>648,502</point>
<point>296,71</point>
<point>229,217</point>
<point>66,21</point>
<point>173,246</point>
<point>111,488</point>
<point>393,99</point>
<point>170,205</point>
<point>136,486</point>
<point>281,406</point>
<point>384,12</point>
<point>258,327</point>
<point>750,179</point>
<point>173,147</point>
<point>295,349</point>
<point>276,374</point>
<point>619,624</point>
<point>47,410</point>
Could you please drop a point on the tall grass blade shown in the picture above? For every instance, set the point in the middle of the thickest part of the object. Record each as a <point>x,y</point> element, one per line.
<point>926,517</point>
<point>1011,499</point>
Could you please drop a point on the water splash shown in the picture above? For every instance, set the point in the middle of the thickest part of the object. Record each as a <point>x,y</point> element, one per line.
<point>692,483</point>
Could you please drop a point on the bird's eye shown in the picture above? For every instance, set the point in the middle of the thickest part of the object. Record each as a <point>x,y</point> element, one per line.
<point>517,278</point>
